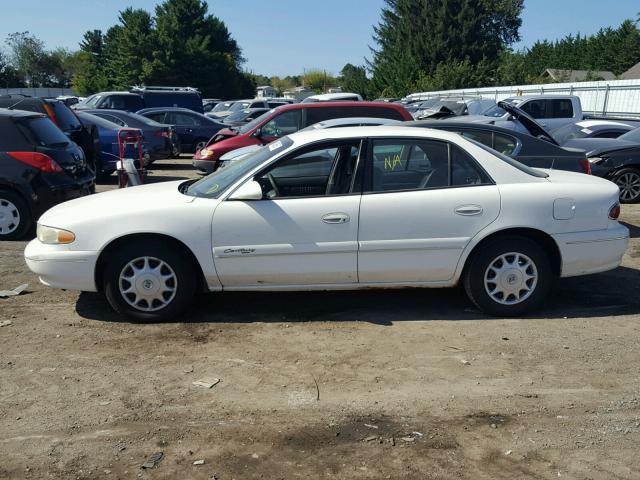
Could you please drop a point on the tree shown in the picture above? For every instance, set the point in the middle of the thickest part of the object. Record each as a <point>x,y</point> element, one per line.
<point>129,49</point>
<point>9,76</point>
<point>318,80</point>
<point>415,37</point>
<point>354,79</point>
<point>195,48</point>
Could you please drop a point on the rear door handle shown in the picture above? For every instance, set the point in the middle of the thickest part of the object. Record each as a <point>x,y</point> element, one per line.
<point>336,218</point>
<point>468,210</point>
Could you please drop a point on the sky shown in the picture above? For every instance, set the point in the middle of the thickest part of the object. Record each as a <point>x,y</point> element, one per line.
<point>285,37</point>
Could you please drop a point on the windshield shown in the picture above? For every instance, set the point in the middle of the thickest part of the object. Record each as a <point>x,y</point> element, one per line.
<point>238,116</point>
<point>254,123</point>
<point>91,101</point>
<point>632,136</point>
<point>496,111</point>
<point>213,185</point>
<point>514,163</point>
<point>569,132</point>
<point>222,107</point>
<point>239,106</point>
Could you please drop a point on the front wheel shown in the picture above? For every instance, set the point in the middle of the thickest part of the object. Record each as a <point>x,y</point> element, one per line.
<point>508,276</point>
<point>150,281</point>
<point>628,180</point>
<point>199,144</point>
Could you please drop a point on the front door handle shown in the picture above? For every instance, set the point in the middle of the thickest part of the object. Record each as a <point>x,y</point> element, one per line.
<point>468,210</point>
<point>336,218</point>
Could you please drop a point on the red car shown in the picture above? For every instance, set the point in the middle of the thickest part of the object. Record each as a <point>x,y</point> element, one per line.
<point>289,119</point>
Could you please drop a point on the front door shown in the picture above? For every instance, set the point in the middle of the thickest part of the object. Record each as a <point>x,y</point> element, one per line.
<point>424,200</point>
<point>305,229</point>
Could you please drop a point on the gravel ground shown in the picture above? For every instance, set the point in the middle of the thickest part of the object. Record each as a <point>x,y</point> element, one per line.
<point>372,384</point>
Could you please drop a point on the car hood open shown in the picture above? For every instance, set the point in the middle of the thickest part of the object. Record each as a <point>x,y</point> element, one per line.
<point>533,127</point>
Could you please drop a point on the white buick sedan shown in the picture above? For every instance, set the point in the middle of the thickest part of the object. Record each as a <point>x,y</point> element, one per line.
<point>363,207</point>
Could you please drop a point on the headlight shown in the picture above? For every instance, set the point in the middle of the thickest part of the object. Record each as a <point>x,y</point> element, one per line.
<point>54,236</point>
<point>596,160</point>
<point>206,152</point>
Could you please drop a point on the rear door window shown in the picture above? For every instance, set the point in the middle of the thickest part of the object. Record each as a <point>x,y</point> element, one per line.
<point>284,124</point>
<point>562,108</point>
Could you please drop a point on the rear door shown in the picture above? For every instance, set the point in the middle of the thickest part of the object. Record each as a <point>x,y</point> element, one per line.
<point>423,202</point>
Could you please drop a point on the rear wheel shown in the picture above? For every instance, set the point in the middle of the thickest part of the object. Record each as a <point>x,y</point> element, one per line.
<point>628,180</point>
<point>508,276</point>
<point>15,218</point>
<point>150,281</point>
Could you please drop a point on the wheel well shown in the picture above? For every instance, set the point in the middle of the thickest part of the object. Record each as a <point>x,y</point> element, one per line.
<point>543,239</point>
<point>144,237</point>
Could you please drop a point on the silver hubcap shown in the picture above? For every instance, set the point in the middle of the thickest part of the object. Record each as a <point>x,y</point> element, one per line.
<point>148,284</point>
<point>511,278</point>
<point>9,217</point>
<point>629,184</point>
<point>201,145</point>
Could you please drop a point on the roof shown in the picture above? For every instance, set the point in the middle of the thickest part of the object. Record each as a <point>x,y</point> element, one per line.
<point>386,105</point>
<point>5,112</point>
<point>632,73</point>
<point>562,75</point>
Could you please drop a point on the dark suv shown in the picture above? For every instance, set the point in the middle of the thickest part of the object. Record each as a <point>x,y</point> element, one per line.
<point>145,97</point>
<point>39,167</point>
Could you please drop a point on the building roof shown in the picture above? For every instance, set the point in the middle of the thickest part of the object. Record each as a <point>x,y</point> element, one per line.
<point>632,73</point>
<point>560,75</point>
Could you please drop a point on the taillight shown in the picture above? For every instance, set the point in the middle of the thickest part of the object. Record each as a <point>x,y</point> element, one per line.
<point>586,166</point>
<point>163,134</point>
<point>614,212</point>
<point>42,162</point>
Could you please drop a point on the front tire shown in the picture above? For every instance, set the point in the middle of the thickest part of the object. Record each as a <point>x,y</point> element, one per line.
<point>15,217</point>
<point>508,276</point>
<point>628,180</point>
<point>150,281</point>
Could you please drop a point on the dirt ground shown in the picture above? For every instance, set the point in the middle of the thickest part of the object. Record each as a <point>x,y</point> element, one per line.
<point>354,385</point>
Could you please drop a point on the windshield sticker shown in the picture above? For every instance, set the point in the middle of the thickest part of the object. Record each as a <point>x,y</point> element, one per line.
<point>213,188</point>
<point>275,145</point>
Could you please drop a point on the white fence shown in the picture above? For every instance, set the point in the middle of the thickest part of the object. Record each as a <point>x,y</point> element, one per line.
<point>613,97</point>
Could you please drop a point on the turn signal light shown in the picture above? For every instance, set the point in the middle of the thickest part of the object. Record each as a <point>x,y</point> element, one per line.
<point>614,212</point>
<point>586,166</point>
<point>42,162</point>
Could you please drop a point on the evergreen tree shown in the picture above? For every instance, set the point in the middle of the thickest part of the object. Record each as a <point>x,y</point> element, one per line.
<point>415,37</point>
<point>354,79</point>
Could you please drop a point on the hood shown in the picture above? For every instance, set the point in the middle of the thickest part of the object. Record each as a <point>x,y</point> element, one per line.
<point>597,146</point>
<point>533,127</point>
<point>102,206</point>
<point>239,152</point>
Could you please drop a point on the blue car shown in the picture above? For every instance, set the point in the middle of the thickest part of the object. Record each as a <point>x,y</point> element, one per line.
<point>108,135</point>
<point>194,129</point>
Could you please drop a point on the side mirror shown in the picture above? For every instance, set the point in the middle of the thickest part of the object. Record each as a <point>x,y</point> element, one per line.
<point>257,133</point>
<point>249,191</point>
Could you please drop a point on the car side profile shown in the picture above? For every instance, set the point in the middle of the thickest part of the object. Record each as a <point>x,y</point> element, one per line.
<point>343,208</point>
<point>193,129</point>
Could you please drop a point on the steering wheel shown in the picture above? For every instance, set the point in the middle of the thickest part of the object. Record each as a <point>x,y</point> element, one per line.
<point>273,184</point>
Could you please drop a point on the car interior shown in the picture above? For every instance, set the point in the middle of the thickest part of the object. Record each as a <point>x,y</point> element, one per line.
<point>326,171</point>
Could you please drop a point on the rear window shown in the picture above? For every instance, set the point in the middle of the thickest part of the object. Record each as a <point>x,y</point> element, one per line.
<point>514,163</point>
<point>45,132</point>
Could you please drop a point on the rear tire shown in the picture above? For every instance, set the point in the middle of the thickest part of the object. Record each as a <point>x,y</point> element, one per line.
<point>150,281</point>
<point>15,217</point>
<point>628,180</point>
<point>508,276</point>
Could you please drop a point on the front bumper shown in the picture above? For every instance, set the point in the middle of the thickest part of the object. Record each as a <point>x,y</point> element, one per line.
<point>208,166</point>
<point>595,251</point>
<point>60,268</point>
